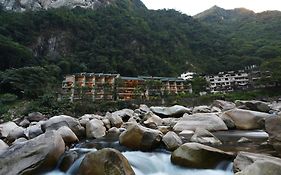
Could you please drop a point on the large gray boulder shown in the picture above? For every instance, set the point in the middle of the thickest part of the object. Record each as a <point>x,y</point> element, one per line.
<point>33,131</point>
<point>95,129</point>
<point>208,121</point>
<point>273,128</point>
<point>15,133</point>
<point>196,155</point>
<point>125,114</point>
<point>67,135</point>
<point>201,109</point>
<point>34,156</point>
<point>115,120</point>
<point>107,161</point>
<point>56,122</point>
<point>224,105</point>
<point>254,105</point>
<point>256,164</point>
<point>140,137</point>
<point>171,140</point>
<point>173,111</point>
<point>152,118</point>
<point>246,119</point>
<point>35,117</point>
<point>6,128</point>
<point>205,137</point>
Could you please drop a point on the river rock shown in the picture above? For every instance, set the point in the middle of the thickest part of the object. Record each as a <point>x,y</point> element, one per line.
<point>35,117</point>
<point>254,105</point>
<point>67,135</point>
<point>144,108</point>
<point>228,121</point>
<point>106,123</point>
<point>205,137</point>
<point>201,109</point>
<point>114,130</point>
<point>256,164</point>
<point>172,140</point>
<point>15,133</point>
<point>83,120</point>
<point>208,121</point>
<point>19,141</point>
<point>107,161</point>
<point>246,119</point>
<point>244,140</point>
<point>34,156</point>
<point>33,131</point>
<point>174,111</point>
<point>6,128</point>
<point>56,122</point>
<point>224,105</point>
<point>3,145</point>
<point>152,118</point>
<point>196,155</point>
<point>24,123</point>
<point>170,121</point>
<point>115,120</point>
<point>67,160</point>
<point>125,114</point>
<point>95,129</point>
<point>140,137</point>
<point>273,128</point>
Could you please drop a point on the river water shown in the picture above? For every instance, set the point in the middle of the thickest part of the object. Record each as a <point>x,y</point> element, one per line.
<point>152,163</point>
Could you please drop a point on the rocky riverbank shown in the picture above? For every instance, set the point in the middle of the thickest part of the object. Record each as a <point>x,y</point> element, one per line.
<point>35,144</point>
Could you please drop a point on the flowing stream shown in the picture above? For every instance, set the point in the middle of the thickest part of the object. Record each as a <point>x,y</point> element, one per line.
<point>151,163</point>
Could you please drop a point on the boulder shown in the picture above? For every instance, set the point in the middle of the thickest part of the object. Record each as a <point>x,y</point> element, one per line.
<point>33,131</point>
<point>15,133</point>
<point>67,135</point>
<point>228,121</point>
<point>196,155</point>
<point>170,121</point>
<point>35,117</point>
<point>144,108</point>
<point>254,105</point>
<point>152,118</point>
<point>24,123</point>
<point>171,140</point>
<point>205,137</point>
<point>6,128</point>
<point>35,156</point>
<point>174,111</point>
<point>139,137</point>
<point>19,141</point>
<point>3,145</point>
<point>83,120</point>
<point>107,161</point>
<point>273,128</point>
<point>67,160</point>
<point>56,122</point>
<point>256,164</point>
<point>95,129</point>
<point>125,114</point>
<point>208,121</point>
<point>106,123</point>
<point>201,109</point>
<point>114,130</point>
<point>115,120</point>
<point>224,105</point>
<point>246,119</point>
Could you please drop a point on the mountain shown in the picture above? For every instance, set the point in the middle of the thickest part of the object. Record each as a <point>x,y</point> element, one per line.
<point>123,36</point>
<point>23,5</point>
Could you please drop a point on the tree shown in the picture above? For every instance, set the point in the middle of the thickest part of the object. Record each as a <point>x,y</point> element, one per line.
<point>199,84</point>
<point>271,71</point>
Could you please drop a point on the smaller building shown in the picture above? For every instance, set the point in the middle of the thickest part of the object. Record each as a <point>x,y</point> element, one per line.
<point>228,81</point>
<point>187,75</point>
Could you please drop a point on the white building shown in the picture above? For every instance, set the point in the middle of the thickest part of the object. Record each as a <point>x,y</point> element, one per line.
<point>228,81</point>
<point>187,75</point>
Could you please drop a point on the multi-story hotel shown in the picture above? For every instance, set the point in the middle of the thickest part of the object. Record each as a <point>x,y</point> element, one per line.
<point>98,86</point>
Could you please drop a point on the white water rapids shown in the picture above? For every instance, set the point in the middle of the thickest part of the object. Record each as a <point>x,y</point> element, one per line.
<point>155,163</point>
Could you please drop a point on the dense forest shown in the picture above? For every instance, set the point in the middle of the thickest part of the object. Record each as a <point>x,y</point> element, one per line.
<point>38,47</point>
<point>127,38</point>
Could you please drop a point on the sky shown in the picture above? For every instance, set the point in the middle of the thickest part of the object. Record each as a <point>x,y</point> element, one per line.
<point>193,7</point>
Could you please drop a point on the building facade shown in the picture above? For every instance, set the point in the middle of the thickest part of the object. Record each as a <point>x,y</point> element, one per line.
<point>99,86</point>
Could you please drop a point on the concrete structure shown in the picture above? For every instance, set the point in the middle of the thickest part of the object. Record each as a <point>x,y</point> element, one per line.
<point>228,81</point>
<point>98,86</point>
<point>188,75</point>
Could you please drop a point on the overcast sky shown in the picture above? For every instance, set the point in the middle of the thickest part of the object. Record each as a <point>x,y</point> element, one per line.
<point>192,7</point>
